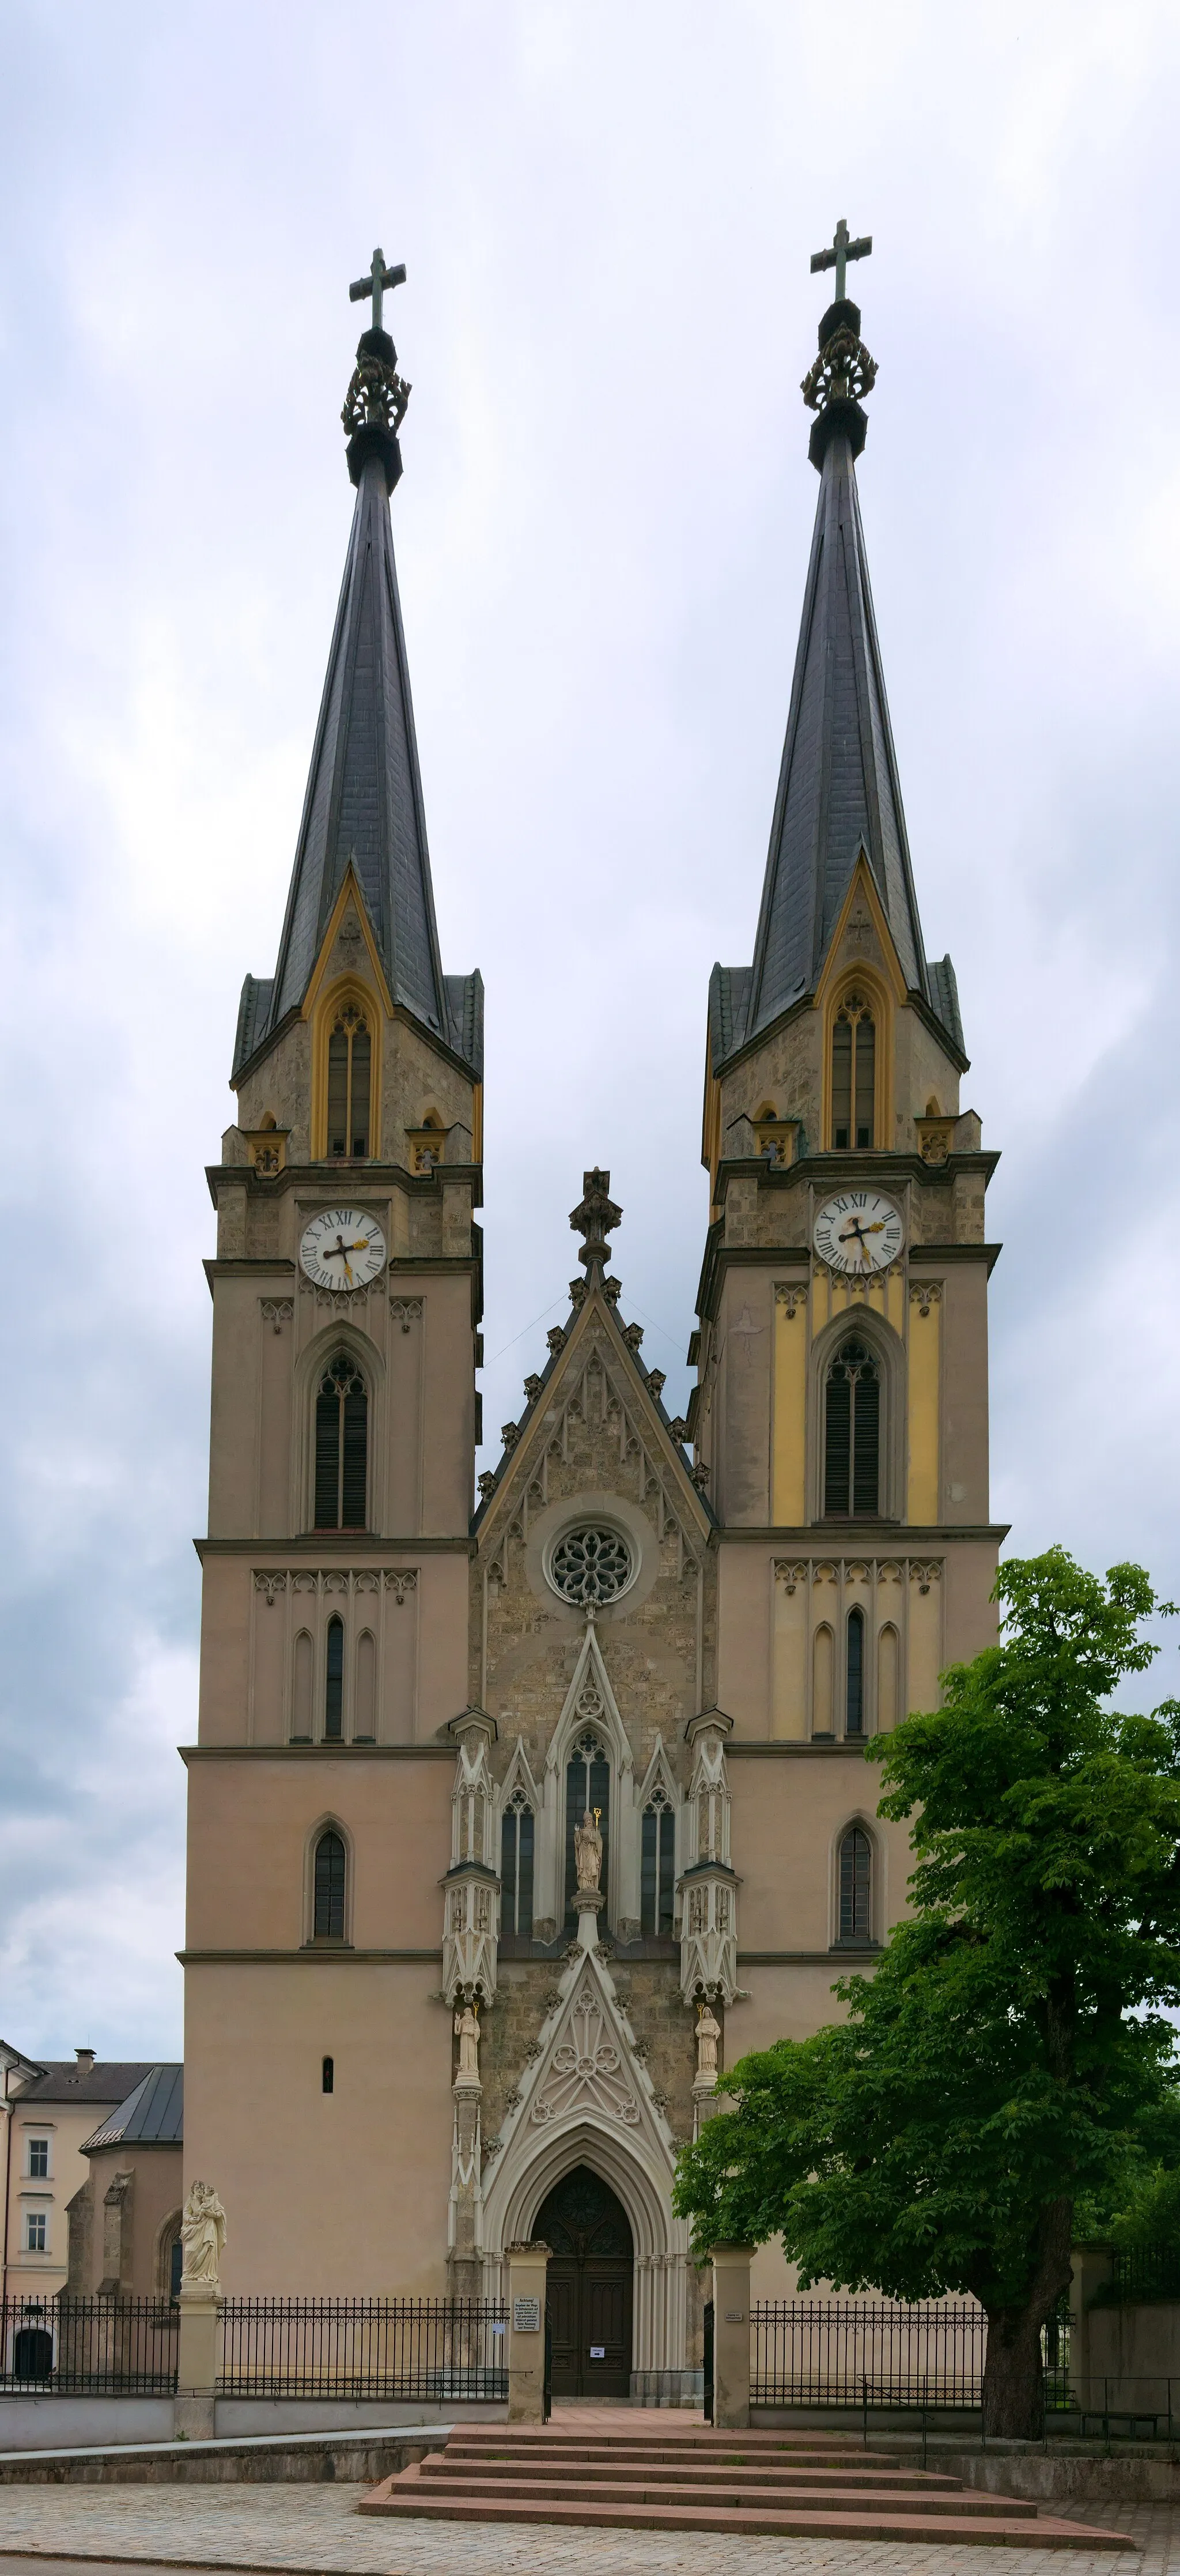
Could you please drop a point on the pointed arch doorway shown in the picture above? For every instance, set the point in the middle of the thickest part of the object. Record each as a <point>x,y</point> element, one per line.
<point>591,2281</point>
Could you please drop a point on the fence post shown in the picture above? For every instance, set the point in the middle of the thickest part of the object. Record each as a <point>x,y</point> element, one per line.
<point>527,2269</point>
<point>731,2336</point>
<point>196,2377</point>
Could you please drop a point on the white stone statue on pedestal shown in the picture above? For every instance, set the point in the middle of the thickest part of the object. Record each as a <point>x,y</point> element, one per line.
<point>588,1850</point>
<point>467,2034</point>
<point>708,2033</point>
<point>202,2235</point>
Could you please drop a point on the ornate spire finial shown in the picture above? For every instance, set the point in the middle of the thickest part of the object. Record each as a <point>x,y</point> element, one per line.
<point>375,404</point>
<point>843,372</point>
<point>595,1218</point>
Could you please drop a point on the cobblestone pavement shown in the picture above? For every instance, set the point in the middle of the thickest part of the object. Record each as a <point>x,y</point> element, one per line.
<point>314,2528</point>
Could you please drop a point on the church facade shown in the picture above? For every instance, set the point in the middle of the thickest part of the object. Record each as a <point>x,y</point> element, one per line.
<point>506,1822</point>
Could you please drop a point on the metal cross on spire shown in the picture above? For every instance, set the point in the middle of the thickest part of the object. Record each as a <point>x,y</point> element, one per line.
<point>843,249</point>
<point>375,283</point>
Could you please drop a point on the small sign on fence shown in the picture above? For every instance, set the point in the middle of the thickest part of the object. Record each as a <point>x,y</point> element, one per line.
<point>526,2316</point>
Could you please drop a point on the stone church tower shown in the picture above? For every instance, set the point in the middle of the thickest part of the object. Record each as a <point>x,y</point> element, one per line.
<point>503,1823</point>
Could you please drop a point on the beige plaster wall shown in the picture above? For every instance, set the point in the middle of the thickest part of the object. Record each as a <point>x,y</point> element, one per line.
<point>341,2194</point>
<point>156,2192</point>
<point>251,1825</point>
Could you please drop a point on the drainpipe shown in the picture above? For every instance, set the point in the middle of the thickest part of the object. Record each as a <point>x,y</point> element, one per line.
<point>7,2181</point>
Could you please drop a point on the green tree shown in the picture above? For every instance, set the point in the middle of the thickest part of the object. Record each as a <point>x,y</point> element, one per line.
<point>1010,2057</point>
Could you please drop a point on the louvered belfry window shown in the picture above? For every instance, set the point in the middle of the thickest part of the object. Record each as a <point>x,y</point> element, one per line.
<point>341,1446</point>
<point>350,1081</point>
<point>856,1889</point>
<point>852,1435</point>
<point>854,1074</point>
<point>329,1888</point>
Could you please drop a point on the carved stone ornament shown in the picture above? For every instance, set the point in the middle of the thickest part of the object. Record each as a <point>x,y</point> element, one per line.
<point>586,2071</point>
<point>509,1434</point>
<point>843,372</point>
<point>338,1299</point>
<point>656,1382</point>
<point>790,1572</point>
<point>487,1482</point>
<point>277,1311</point>
<point>632,1335</point>
<point>556,1333</point>
<point>532,1389</point>
<point>790,1295</point>
<point>406,1311</point>
<point>679,1429</point>
<point>398,1579</point>
<point>925,1293</point>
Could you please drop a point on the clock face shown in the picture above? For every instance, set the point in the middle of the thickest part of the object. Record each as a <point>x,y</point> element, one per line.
<point>342,1247</point>
<point>858,1231</point>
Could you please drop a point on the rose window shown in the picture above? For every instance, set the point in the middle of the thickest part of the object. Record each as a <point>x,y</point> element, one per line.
<point>592,1564</point>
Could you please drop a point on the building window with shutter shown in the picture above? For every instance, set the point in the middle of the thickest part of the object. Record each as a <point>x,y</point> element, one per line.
<point>516,1866</point>
<point>854,1674</point>
<point>350,1083</point>
<point>328,1918</point>
<point>852,1435</point>
<point>856,1886</point>
<point>341,1446</point>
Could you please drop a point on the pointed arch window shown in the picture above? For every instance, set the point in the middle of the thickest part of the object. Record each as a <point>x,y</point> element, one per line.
<point>854,1074</point>
<point>341,1446</point>
<point>330,1867</point>
<point>517,1831</point>
<point>852,1434</point>
<point>657,1870</point>
<point>334,1682</point>
<point>856,1885</point>
<point>854,1674</point>
<point>587,1786</point>
<point>350,1083</point>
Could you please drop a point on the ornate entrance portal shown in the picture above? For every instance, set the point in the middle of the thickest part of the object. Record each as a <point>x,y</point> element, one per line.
<point>590,2280</point>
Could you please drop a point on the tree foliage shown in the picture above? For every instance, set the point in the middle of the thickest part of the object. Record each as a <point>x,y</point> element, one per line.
<point>1010,2058</point>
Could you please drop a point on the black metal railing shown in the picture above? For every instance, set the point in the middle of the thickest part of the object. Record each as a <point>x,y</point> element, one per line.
<point>89,2347</point>
<point>853,2352</point>
<point>424,2348</point>
<point>1145,2272</point>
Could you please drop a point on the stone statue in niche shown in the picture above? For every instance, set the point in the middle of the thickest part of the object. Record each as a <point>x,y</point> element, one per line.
<point>202,2234</point>
<point>708,2032</point>
<point>588,1850</point>
<point>467,2034</point>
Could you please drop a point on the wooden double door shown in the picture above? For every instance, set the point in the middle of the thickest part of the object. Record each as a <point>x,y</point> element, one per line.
<point>591,2274</point>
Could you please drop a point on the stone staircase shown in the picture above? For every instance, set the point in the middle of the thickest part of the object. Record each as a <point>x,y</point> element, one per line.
<point>657,2476</point>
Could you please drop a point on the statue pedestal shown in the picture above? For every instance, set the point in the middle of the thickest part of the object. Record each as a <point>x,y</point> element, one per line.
<point>588,1903</point>
<point>200,2352</point>
<point>731,2337</point>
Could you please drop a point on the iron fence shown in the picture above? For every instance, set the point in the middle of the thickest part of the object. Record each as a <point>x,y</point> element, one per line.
<point>1145,2272</point>
<point>89,2347</point>
<point>881,2352</point>
<point>423,2348</point>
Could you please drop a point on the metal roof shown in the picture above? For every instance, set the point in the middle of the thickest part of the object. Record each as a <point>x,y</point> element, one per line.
<point>151,2116</point>
<point>64,2080</point>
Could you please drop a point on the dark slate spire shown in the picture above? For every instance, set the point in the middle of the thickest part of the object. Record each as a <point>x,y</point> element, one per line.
<point>838,788</point>
<point>364,792</point>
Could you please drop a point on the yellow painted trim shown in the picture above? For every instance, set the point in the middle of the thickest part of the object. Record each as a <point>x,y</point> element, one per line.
<point>477,1122</point>
<point>925,1329</point>
<point>349,888</point>
<point>886,985</point>
<point>345,988</point>
<point>790,1407</point>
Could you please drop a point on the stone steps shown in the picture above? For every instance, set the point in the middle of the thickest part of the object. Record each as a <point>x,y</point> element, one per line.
<point>699,2480</point>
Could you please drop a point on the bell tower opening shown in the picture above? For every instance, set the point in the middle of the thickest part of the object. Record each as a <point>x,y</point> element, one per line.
<point>591,2285</point>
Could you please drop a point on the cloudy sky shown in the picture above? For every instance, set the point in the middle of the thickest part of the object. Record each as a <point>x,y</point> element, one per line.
<point>607,213</point>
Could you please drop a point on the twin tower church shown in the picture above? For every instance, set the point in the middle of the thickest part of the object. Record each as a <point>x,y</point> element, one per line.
<point>467,2017</point>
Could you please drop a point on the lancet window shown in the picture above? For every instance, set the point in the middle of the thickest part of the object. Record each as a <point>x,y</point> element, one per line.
<point>341,1446</point>
<point>350,1082</point>
<point>657,1869</point>
<point>587,1786</point>
<point>856,1885</point>
<point>854,1674</point>
<point>334,1681</point>
<point>329,1887</point>
<point>854,1073</point>
<point>517,1834</point>
<point>852,1434</point>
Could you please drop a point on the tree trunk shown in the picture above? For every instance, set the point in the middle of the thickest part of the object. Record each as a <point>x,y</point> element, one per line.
<point>1013,2379</point>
